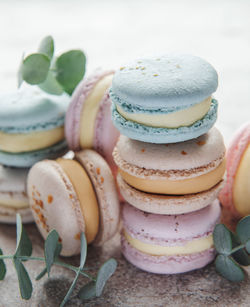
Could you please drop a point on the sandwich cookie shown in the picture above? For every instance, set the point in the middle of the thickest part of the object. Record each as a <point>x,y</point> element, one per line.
<point>88,119</point>
<point>13,196</point>
<point>181,177</point>
<point>31,121</point>
<point>236,192</point>
<point>169,244</point>
<point>164,99</point>
<point>74,196</point>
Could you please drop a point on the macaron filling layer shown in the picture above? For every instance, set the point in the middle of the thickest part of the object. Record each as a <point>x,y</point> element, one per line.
<point>23,142</point>
<point>241,188</point>
<point>183,117</point>
<point>86,194</point>
<point>90,111</point>
<point>176,187</point>
<point>14,203</point>
<point>191,247</point>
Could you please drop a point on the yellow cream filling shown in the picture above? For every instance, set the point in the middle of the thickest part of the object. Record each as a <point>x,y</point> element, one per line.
<point>177,187</point>
<point>86,195</point>
<point>177,119</point>
<point>191,247</point>
<point>90,110</point>
<point>22,142</point>
<point>241,189</point>
<point>14,203</point>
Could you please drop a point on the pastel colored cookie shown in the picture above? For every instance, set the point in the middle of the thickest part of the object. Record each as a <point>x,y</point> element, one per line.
<point>88,119</point>
<point>236,192</point>
<point>169,244</point>
<point>189,167</point>
<point>13,196</point>
<point>164,99</point>
<point>31,120</point>
<point>27,159</point>
<point>74,196</point>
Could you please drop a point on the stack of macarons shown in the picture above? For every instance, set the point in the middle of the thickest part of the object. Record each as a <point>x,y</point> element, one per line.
<point>31,129</point>
<point>171,162</point>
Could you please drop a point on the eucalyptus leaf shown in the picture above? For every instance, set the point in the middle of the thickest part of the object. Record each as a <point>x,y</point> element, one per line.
<point>42,274</point>
<point>70,69</point>
<point>228,268</point>
<point>50,85</point>
<point>104,273</point>
<point>248,246</point>
<point>47,46</point>
<point>50,248</point>
<point>241,256</point>
<point>243,229</point>
<point>222,239</point>
<point>88,291</point>
<point>23,245</point>
<point>25,284</point>
<point>2,267</point>
<point>83,250</point>
<point>35,68</point>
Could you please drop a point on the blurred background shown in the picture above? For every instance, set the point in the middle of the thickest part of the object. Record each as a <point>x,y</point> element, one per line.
<point>112,32</point>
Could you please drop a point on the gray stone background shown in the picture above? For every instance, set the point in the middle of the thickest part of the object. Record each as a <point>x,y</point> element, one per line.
<point>111,33</point>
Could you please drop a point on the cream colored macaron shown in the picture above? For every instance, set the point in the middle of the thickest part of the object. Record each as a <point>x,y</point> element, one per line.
<point>74,196</point>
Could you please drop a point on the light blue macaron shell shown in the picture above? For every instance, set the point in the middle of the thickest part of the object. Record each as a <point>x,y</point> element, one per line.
<point>167,83</point>
<point>30,110</point>
<point>27,159</point>
<point>148,134</point>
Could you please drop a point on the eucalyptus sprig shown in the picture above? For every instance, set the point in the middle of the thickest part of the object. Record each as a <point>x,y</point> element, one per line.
<point>52,249</point>
<point>53,75</point>
<point>233,249</point>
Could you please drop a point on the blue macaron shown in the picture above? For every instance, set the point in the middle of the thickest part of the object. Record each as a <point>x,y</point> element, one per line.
<point>175,88</point>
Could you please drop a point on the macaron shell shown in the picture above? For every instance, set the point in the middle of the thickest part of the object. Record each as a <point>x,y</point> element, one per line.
<point>164,81</point>
<point>73,115</point>
<point>164,204</point>
<point>55,205</point>
<point>8,215</point>
<point>104,184</point>
<point>149,134</point>
<point>170,230</point>
<point>235,151</point>
<point>27,159</point>
<point>106,135</point>
<point>166,264</point>
<point>30,109</point>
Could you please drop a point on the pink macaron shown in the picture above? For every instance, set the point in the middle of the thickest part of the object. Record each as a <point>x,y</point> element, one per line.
<point>88,119</point>
<point>169,244</point>
<point>236,193</point>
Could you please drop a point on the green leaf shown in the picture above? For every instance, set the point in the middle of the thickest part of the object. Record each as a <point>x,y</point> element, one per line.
<point>240,256</point>
<point>104,273</point>
<point>50,248</point>
<point>228,268</point>
<point>248,246</point>
<point>66,298</point>
<point>222,239</point>
<point>83,250</point>
<point>47,46</point>
<point>35,68</point>
<point>88,291</point>
<point>70,69</point>
<point>51,86</point>
<point>43,273</point>
<point>23,245</point>
<point>243,229</point>
<point>25,284</point>
<point>2,267</point>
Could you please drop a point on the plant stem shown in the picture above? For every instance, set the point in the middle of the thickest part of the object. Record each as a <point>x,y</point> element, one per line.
<point>6,257</point>
<point>71,288</point>
<point>237,248</point>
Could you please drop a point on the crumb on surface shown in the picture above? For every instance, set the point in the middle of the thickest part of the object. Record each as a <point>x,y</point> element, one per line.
<point>183,152</point>
<point>201,143</point>
<point>50,198</point>
<point>142,150</point>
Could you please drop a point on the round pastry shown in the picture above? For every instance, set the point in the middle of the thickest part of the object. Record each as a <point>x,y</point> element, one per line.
<point>169,244</point>
<point>236,192</point>
<point>164,99</point>
<point>74,196</point>
<point>13,196</point>
<point>30,121</point>
<point>88,119</point>
<point>172,170</point>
